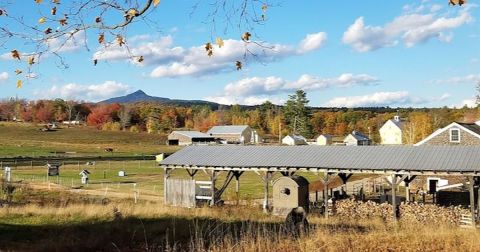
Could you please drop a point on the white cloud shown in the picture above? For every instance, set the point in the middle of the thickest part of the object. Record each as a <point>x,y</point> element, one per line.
<point>68,42</point>
<point>3,77</point>
<point>312,42</point>
<point>95,92</point>
<point>412,28</point>
<point>468,79</point>
<point>380,99</point>
<point>175,61</point>
<point>471,103</point>
<point>256,90</point>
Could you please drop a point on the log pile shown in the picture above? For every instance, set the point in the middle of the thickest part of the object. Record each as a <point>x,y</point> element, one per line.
<point>412,213</point>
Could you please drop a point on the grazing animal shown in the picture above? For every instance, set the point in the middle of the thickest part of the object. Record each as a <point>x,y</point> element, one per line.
<point>108,149</point>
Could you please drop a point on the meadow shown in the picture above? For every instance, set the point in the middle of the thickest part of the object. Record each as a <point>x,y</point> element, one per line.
<point>25,139</point>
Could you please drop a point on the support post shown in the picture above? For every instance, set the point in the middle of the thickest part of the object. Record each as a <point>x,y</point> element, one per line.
<point>472,198</point>
<point>213,179</point>
<point>166,176</point>
<point>237,175</point>
<point>477,183</point>
<point>394,197</point>
<point>325,181</point>
<point>267,177</point>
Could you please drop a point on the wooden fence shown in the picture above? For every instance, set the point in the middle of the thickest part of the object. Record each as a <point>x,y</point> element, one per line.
<point>180,192</point>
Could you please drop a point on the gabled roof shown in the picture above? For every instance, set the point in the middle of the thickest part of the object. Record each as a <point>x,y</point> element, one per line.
<point>297,137</point>
<point>192,134</point>
<point>360,158</point>
<point>227,129</point>
<point>471,128</point>
<point>359,136</point>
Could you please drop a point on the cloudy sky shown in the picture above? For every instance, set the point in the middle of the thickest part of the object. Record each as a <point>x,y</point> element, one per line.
<point>397,53</point>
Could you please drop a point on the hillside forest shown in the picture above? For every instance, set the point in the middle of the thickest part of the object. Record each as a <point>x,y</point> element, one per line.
<point>270,121</point>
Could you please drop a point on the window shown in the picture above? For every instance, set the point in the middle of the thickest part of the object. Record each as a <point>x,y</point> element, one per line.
<point>455,135</point>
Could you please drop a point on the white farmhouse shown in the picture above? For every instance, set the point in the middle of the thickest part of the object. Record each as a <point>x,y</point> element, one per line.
<point>392,131</point>
<point>324,139</point>
<point>294,140</point>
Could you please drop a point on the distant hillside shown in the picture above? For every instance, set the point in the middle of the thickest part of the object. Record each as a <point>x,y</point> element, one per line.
<point>140,96</point>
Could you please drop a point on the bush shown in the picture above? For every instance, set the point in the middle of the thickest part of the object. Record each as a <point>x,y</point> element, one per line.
<point>135,129</point>
<point>112,126</point>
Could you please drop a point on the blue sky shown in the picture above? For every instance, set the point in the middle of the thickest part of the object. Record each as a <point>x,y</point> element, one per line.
<point>397,53</point>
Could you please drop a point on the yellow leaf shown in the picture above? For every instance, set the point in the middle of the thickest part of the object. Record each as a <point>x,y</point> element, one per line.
<point>156,2</point>
<point>219,42</point>
<point>246,36</point>
<point>18,71</point>
<point>19,84</point>
<point>101,38</point>
<point>31,60</point>
<point>120,41</point>
<point>132,12</point>
<point>38,1</point>
<point>264,7</point>
<point>42,20</point>
<point>56,1</point>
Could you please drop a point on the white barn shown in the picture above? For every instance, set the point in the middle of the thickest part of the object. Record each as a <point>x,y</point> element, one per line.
<point>324,139</point>
<point>293,139</point>
<point>392,131</point>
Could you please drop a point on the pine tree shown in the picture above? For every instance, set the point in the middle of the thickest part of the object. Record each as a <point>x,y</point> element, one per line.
<point>298,115</point>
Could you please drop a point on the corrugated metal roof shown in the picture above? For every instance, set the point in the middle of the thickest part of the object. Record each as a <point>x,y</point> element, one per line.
<point>359,136</point>
<point>192,134</point>
<point>408,158</point>
<point>227,129</point>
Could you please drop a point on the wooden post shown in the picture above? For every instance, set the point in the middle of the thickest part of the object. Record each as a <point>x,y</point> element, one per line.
<point>213,178</point>
<point>394,196</point>
<point>266,180</point>
<point>472,199</point>
<point>166,176</point>
<point>478,198</point>
<point>325,182</point>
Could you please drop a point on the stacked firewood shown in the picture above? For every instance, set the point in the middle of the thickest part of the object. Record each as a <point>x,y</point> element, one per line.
<point>413,212</point>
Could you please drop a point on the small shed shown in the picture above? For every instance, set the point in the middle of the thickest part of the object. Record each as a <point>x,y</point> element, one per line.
<point>84,175</point>
<point>53,169</point>
<point>293,139</point>
<point>357,138</point>
<point>288,193</point>
<point>324,139</point>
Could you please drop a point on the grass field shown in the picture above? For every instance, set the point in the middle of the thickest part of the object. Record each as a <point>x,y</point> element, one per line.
<point>85,223</point>
<point>144,174</point>
<point>23,139</point>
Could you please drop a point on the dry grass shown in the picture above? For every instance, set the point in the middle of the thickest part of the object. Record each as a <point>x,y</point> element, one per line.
<point>153,226</point>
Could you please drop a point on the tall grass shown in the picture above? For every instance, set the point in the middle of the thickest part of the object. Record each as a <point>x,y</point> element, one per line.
<point>152,226</point>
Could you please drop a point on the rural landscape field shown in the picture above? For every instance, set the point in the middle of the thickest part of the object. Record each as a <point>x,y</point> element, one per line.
<point>247,125</point>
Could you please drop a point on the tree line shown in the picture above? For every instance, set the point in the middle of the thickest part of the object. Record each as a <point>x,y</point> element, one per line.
<point>270,120</point>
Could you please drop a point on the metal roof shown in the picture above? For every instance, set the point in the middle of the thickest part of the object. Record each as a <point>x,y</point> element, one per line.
<point>359,136</point>
<point>192,134</point>
<point>372,158</point>
<point>227,129</point>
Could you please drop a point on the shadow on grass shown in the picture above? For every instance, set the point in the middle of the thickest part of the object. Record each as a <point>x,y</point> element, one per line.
<point>157,234</point>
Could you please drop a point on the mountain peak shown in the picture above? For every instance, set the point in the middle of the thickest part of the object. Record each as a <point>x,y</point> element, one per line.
<point>138,92</point>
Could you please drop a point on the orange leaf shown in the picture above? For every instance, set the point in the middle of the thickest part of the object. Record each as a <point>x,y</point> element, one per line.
<point>156,2</point>
<point>15,54</point>
<point>101,38</point>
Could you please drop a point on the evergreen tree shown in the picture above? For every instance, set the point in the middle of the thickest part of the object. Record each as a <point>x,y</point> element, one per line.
<point>298,115</point>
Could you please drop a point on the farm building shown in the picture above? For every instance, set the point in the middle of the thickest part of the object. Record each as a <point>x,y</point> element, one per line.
<point>188,138</point>
<point>455,133</point>
<point>402,164</point>
<point>324,139</point>
<point>236,134</point>
<point>392,131</point>
<point>293,139</point>
<point>356,138</point>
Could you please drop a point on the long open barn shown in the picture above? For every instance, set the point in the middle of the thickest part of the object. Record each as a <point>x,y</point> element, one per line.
<point>402,163</point>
